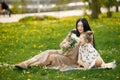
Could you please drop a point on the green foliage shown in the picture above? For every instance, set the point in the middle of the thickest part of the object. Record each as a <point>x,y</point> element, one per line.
<point>23,3</point>
<point>71,45</point>
<point>109,3</point>
<point>37,18</point>
<point>15,9</point>
<point>22,40</point>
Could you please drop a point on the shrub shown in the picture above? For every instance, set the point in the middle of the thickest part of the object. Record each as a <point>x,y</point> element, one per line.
<point>37,18</point>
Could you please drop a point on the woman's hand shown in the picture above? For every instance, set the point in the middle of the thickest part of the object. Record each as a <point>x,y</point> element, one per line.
<point>66,44</point>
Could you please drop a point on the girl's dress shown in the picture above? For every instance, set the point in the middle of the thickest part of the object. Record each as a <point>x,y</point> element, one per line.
<point>88,54</point>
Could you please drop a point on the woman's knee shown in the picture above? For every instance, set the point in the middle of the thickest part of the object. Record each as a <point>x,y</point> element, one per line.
<point>53,56</point>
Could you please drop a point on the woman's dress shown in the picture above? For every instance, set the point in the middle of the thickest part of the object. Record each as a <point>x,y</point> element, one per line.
<point>54,58</point>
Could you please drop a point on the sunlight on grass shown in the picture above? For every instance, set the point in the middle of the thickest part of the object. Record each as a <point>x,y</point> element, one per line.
<point>22,40</point>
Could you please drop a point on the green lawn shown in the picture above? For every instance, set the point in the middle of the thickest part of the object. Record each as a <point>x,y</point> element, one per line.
<point>22,40</point>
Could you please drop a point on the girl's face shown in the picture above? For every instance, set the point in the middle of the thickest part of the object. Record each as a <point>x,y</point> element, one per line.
<point>82,39</point>
<point>80,27</point>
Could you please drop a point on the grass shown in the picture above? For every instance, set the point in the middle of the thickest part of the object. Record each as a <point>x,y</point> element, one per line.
<point>22,40</point>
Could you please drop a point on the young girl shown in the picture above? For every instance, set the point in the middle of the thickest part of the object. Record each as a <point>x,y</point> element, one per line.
<point>88,56</point>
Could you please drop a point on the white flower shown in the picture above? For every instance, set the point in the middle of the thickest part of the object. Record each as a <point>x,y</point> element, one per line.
<point>75,37</point>
<point>73,40</point>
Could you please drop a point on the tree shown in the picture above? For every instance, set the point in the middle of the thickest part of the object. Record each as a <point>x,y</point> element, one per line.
<point>87,7</point>
<point>15,7</point>
<point>108,4</point>
<point>23,3</point>
<point>117,5</point>
<point>94,6</point>
<point>89,3</point>
<point>99,5</point>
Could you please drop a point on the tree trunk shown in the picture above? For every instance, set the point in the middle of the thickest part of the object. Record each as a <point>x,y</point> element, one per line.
<point>117,9</point>
<point>94,7</point>
<point>109,13</point>
<point>99,11</point>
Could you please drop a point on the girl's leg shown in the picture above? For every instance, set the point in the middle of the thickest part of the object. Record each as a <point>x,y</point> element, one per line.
<point>100,63</point>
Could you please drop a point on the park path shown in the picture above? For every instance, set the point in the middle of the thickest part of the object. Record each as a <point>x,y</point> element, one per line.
<point>59,14</point>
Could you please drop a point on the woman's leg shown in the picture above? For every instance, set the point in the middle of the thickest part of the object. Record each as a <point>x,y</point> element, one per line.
<point>26,63</point>
<point>45,58</point>
<point>40,59</point>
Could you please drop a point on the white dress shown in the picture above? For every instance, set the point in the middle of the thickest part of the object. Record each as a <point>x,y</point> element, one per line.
<point>88,54</point>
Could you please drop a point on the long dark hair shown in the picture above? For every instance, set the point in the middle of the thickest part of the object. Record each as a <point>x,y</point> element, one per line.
<point>86,27</point>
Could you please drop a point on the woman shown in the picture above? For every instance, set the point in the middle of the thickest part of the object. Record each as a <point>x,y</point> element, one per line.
<point>55,58</point>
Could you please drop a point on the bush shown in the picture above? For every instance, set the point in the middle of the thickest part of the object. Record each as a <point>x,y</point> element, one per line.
<point>37,18</point>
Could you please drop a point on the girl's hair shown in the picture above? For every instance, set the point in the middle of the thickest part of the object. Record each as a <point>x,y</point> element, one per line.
<point>86,27</point>
<point>88,35</point>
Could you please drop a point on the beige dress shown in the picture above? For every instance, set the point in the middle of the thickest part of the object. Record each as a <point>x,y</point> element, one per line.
<point>54,58</point>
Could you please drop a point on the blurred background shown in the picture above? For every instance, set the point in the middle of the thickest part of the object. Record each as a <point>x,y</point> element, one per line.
<point>33,6</point>
<point>93,7</point>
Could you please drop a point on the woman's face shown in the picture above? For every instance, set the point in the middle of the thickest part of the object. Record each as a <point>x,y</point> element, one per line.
<point>80,27</point>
